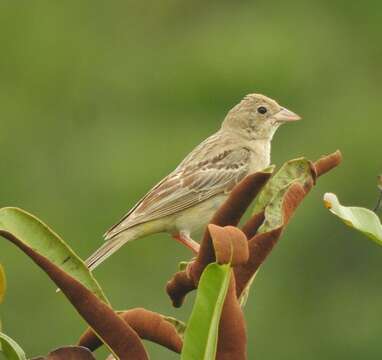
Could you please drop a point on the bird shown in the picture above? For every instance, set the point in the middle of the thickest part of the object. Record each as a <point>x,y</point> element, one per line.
<point>185,200</point>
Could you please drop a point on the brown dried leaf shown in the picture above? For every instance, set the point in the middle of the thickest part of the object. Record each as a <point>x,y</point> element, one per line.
<point>327,163</point>
<point>178,287</point>
<point>232,340</point>
<point>148,325</point>
<point>230,244</point>
<point>68,353</point>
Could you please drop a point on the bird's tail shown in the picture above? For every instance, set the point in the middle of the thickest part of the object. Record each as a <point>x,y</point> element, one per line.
<point>110,247</point>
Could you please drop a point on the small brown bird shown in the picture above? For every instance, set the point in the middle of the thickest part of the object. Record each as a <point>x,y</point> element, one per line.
<point>186,199</point>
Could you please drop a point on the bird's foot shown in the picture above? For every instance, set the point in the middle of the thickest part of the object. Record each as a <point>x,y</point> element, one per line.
<point>185,239</point>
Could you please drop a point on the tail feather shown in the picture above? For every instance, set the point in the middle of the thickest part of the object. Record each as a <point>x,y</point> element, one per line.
<point>109,248</point>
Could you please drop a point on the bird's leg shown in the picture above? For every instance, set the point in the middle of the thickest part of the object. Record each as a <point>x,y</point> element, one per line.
<point>184,238</point>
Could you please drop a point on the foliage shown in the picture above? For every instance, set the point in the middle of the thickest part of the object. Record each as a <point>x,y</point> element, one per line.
<point>10,349</point>
<point>201,336</point>
<point>228,259</point>
<point>34,234</point>
<point>358,218</point>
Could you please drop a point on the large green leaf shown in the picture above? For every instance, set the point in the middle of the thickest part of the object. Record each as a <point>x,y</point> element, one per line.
<point>361,219</point>
<point>200,339</point>
<point>10,349</point>
<point>39,237</point>
<point>3,283</point>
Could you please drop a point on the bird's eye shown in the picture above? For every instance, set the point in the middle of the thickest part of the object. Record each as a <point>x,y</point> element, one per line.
<point>262,109</point>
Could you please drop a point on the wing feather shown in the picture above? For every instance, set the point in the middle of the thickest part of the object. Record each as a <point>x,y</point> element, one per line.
<point>187,186</point>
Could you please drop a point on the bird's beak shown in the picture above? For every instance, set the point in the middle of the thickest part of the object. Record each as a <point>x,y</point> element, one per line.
<point>285,115</point>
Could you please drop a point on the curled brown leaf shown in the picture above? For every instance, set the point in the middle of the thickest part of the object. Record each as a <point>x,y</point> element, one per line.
<point>230,244</point>
<point>68,353</point>
<point>232,339</point>
<point>178,287</point>
<point>327,163</point>
<point>147,324</point>
<point>252,225</point>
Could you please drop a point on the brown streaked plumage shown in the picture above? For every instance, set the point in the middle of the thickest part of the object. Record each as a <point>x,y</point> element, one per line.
<point>187,197</point>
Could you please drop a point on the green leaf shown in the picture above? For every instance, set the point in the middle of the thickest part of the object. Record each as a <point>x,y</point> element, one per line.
<point>293,170</point>
<point>274,211</point>
<point>361,219</point>
<point>3,283</point>
<point>39,237</point>
<point>200,339</point>
<point>11,349</point>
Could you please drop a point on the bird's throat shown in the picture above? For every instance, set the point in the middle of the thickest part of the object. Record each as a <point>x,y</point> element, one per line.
<point>261,158</point>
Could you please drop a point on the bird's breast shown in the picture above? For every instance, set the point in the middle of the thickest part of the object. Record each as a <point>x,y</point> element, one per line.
<point>260,156</point>
<point>198,216</point>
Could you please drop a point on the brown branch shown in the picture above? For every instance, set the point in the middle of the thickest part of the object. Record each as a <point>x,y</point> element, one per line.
<point>147,324</point>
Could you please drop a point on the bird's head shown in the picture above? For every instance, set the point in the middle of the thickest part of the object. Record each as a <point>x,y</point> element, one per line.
<point>258,117</point>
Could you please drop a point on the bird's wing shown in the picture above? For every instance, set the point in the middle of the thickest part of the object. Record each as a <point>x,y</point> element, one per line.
<point>186,187</point>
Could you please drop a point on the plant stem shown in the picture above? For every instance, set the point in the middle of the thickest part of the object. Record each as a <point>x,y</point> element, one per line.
<point>379,203</point>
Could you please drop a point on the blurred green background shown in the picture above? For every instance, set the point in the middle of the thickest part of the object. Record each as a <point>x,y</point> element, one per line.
<point>99,100</point>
